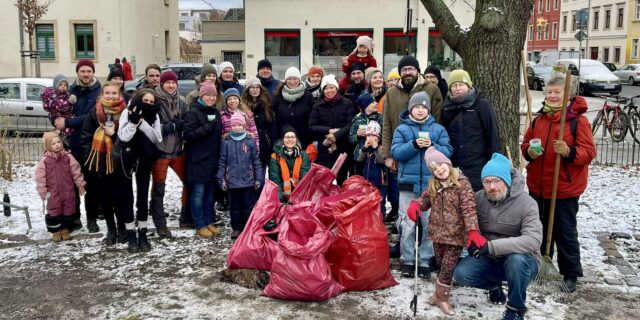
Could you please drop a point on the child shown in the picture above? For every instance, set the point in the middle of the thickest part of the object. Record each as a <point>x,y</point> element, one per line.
<point>56,101</point>
<point>233,103</point>
<point>239,172</point>
<point>56,174</point>
<point>374,169</point>
<point>363,53</point>
<point>357,134</point>
<point>417,131</point>
<point>453,215</point>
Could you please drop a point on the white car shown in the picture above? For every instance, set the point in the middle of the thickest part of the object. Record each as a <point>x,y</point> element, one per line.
<point>630,73</point>
<point>21,107</point>
<point>594,76</point>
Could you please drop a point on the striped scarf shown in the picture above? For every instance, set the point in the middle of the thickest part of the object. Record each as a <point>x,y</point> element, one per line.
<point>102,144</point>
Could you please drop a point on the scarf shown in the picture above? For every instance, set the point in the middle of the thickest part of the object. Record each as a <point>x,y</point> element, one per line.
<point>291,95</point>
<point>171,101</point>
<point>293,153</point>
<point>418,121</point>
<point>379,93</point>
<point>313,88</point>
<point>467,100</point>
<point>548,108</point>
<point>102,144</point>
<point>332,100</point>
<point>237,136</point>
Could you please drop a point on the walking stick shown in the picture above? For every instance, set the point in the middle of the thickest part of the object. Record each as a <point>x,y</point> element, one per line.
<point>528,96</point>
<point>414,301</point>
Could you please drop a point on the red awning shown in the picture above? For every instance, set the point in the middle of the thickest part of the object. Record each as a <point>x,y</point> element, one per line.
<point>282,34</point>
<point>434,33</point>
<point>398,34</point>
<point>342,33</point>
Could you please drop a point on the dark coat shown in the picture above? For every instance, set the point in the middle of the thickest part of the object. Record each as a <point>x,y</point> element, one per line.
<point>267,132</point>
<point>295,114</point>
<point>224,85</point>
<point>270,84</point>
<point>202,143</point>
<point>239,165</point>
<point>328,115</point>
<point>353,92</point>
<point>86,98</point>
<point>473,130</point>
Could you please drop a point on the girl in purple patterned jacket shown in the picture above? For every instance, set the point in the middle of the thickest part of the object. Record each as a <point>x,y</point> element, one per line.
<point>57,102</point>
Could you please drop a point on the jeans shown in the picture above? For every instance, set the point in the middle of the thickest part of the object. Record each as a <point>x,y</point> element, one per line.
<point>406,228</point>
<point>518,269</point>
<point>202,203</point>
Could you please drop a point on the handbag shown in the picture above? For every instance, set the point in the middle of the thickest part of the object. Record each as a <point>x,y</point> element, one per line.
<point>124,154</point>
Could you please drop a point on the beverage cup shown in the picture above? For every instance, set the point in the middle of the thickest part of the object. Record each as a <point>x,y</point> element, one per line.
<point>423,134</point>
<point>362,127</point>
<point>211,117</point>
<point>536,145</point>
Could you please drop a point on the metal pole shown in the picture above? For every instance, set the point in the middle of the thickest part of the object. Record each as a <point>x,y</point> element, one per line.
<point>535,32</point>
<point>21,31</point>
<point>406,35</point>
<point>588,18</point>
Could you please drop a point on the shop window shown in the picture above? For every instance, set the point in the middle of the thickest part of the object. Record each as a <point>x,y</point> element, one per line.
<point>282,48</point>
<point>329,47</point>
<point>395,48</point>
<point>440,54</point>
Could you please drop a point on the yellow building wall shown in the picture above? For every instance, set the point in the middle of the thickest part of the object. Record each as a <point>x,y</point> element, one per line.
<point>633,32</point>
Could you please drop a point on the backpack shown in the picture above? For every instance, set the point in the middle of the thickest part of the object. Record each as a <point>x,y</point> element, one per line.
<point>573,126</point>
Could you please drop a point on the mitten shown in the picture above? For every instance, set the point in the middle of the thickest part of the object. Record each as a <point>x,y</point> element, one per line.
<point>134,117</point>
<point>414,211</point>
<point>474,237</point>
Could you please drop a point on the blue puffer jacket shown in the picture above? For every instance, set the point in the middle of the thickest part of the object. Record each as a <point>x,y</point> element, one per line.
<point>411,166</point>
<point>239,164</point>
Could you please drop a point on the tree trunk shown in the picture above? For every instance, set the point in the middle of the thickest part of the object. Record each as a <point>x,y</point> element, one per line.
<point>490,50</point>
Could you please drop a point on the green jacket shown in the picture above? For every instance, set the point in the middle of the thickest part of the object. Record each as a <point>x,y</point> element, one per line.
<point>397,100</point>
<point>361,119</point>
<point>275,174</point>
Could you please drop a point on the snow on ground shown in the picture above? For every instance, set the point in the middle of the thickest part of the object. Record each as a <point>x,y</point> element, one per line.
<point>180,278</point>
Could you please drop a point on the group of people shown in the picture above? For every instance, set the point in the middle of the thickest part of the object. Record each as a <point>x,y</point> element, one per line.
<point>431,148</point>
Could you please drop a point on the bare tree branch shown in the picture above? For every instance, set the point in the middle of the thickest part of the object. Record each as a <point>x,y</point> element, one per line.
<point>444,20</point>
<point>32,11</point>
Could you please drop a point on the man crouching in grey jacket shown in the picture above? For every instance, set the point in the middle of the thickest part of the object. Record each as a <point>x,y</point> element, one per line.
<point>508,219</point>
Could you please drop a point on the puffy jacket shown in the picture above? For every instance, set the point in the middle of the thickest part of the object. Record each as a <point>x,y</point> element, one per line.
<point>202,143</point>
<point>411,167</point>
<point>57,174</point>
<point>295,114</point>
<point>396,102</point>
<point>453,213</point>
<point>329,115</point>
<point>250,124</point>
<point>574,169</point>
<point>512,225</point>
<point>86,98</point>
<point>368,61</point>
<point>239,165</point>
<point>353,92</point>
<point>473,129</point>
<point>373,169</point>
<point>171,108</point>
<point>275,173</point>
<point>361,119</point>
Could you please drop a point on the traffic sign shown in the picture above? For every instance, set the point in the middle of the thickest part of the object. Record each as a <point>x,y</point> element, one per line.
<point>582,16</point>
<point>581,35</point>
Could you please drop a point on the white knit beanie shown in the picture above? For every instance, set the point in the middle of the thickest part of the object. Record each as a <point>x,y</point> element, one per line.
<point>329,79</point>
<point>292,72</point>
<point>224,65</point>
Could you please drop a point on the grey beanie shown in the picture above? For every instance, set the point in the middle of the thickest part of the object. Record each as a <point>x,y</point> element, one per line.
<point>420,98</point>
<point>57,79</point>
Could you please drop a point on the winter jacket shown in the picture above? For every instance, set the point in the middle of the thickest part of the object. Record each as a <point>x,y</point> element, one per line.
<point>275,172</point>
<point>411,167</point>
<point>57,104</point>
<point>331,115</point>
<point>294,114</point>
<point>453,213</point>
<point>574,169</point>
<point>442,83</point>
<point>270,84</point>
<point>202,143</point>
<point>473,129</point>
<point>267,132</point>
<point>396,102</point>
<point>239,165</point>
<point>373,168</point>
<point>126,68</point>
<point>143,138</point>
<point>250,127</point>
<point>86,98</point>
<point>352,93</point>
<point>225,85</point>
<point>361,119</point>
<point>194,95</point>
<point>512,225</point>
<point>172,110</point>
<point>57,174</point>
<point>368,61</point>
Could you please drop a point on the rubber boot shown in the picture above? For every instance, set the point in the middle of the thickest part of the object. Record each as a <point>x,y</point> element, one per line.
<point>143,242</point>
<point>122,235</point>
<point>132,247</point>
<point>441,298</point>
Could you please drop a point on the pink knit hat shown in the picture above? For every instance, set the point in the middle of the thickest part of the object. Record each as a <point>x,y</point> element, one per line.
<point>433,155</point>
<point>238,117</point>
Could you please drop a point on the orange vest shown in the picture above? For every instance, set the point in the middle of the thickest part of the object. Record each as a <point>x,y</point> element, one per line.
<point>287,182</point>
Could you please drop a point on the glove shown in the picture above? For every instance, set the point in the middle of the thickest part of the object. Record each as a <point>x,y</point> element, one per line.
<point>416,145</point>
<point>476,252</point>
<point>474,237</point>
<point>257,185</point>
<point>178,123</point>
<point>223,186</point>
<point>134,117</point>
<point>414,211</point>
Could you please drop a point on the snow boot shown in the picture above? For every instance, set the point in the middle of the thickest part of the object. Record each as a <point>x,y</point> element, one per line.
<point>408,270</point>
<point>56,236</point>
<point>214,230</point>
<point>132,247</point>
<point>441,298</point>
<point>92,226</point>
<point>570,283</point>
<point>204,233</point>
<point>511,314</point>
<point>496,296</point>
<point>143,242</point>
<point>64,233</point>
<point>112,236</point>
<point>164,233</point>
<point>122,235</point>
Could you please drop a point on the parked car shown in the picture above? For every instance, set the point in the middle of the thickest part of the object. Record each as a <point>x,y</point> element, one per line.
<point>630,73</point>
<point>21,107</point>
<point>594,76</point>
<point>186,72</point>
<point>537,76</point>
<point>612,67</point>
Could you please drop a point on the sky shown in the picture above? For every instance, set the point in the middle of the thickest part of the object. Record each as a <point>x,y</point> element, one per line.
<point>218,4</point>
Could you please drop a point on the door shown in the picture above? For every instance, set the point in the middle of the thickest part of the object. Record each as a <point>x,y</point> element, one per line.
<point>11,105</point>
<point>594,53</point>
<point>35,117</point>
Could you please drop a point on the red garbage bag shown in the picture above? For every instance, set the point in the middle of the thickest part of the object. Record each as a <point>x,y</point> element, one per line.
<point>316,184</point>
<point>254,249</point>
<point>300,271</point>
<point>359,255</point>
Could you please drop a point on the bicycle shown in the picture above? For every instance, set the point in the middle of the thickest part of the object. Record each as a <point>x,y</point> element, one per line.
<point>612,116</point>
<point>631,109</point>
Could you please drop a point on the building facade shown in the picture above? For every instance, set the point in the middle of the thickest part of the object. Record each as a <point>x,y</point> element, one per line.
<point>543,28</point>
<point>606,29</point>
<point>145,32</point>
<point>632,54</point>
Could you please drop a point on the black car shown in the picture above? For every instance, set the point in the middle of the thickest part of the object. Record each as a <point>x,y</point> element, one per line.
<point>537,76</point>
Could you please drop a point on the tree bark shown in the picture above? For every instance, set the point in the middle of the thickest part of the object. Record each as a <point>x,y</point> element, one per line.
<point>490,49</point>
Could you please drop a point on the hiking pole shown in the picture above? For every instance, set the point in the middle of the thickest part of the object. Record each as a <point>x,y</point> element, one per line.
<point>414,301</point>
<point>528,97</point>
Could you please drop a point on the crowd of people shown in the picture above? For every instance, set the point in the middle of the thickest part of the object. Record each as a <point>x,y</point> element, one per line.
<point>431,148</point>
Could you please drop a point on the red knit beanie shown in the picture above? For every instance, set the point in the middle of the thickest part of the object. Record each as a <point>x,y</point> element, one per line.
<point>85,62</point>
<point>168,75</point>
<point>316,70</point>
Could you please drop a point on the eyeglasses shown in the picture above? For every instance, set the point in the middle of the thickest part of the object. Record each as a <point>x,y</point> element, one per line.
<point>488,182</point>
<point>408,69</point>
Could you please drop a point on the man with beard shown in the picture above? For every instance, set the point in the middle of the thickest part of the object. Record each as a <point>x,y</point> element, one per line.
<point>266,77</point>
<point>508,219</point>
<point>396,102</point>
<point>357,86</point>
<point>83,94</point>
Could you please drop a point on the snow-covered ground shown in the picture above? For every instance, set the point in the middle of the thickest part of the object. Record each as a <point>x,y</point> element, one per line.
<point>180,278</point>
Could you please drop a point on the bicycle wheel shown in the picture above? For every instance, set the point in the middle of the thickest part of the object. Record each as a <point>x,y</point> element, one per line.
<point>619,126</point>
<point>597,122</point>
<point>634,124</point>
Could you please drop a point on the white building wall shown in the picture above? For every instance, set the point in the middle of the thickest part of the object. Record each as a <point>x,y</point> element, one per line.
<point>121,30</point>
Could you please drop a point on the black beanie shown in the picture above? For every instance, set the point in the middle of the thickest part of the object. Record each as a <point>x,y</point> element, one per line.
<point>357,66</point>
<point>288,129</point>
<point>264,63</point>
<point>115,72</point>
<point>408,61</point>
<point>433,70</point>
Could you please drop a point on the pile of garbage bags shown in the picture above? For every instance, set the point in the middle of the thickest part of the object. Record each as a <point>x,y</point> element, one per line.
<point>326,240</point>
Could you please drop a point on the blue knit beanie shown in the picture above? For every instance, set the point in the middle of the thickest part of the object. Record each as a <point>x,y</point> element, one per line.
<point>231,92</point>
<point>364,100</point>
<point>499,166</point>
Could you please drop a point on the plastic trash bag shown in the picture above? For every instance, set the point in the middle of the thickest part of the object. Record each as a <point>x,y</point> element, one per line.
<point>316,184</point>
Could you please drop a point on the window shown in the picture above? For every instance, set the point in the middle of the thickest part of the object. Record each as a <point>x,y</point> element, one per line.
<point>282,48</point>
<point>620,17</point>
<point>440,54</point>
<point>596,19</point>
<point>203,16</point>
<point>84,41</point>
<point>10,91</point>
<point>545,31</point>
<point>184,14</point>
<point>637,9</point>
<point>564,23</point>
<point>394,49</point>
<point>574,22</point>
<point>539,34</point>
<point>616,54</point>
<point>33,92</point>
<point>548,5</point>
<point>181,26</point>
<point>45,43</point>
<point>554,31</point>
<point>605,54</point>
<point>540,5</point>
<point>530,32</point>
<point>330,46</point>
<point>555,4</point>
<point>634,48</point>
<point>607,19</point>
